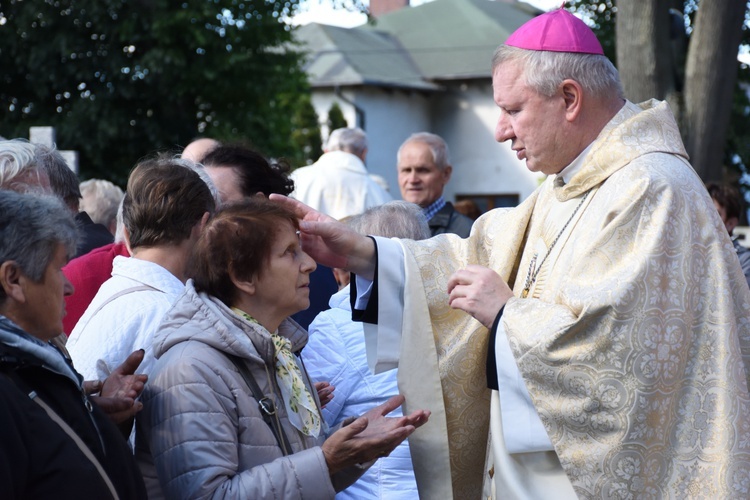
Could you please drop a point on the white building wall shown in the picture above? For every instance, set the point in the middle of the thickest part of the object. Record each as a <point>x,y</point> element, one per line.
<point>465,116</point>
<point>322,100</point>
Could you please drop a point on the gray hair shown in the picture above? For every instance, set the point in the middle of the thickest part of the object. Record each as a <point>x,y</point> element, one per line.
<point>438,148</point>
<point>100,199</point>
<point>544,70</point>
<point>62,179</point>
<point>31,227</point>
<point>18,161</point>
<point>199,169</point>
<point>350,140</point>
<point>120,228</point>
<point>395,219</point>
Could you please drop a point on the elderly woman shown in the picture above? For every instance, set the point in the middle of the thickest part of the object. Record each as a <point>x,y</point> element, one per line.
<point>55,443</point>
<point>230,411</point>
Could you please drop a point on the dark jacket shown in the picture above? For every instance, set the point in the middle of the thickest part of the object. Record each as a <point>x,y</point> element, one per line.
<point>448,220</point>
<point>37,458</point>
<point>92,235</point>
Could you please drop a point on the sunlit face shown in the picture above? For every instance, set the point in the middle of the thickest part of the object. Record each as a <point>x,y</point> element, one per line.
<point>44,308</point>
<point>282,288</point>
<point>534,123</point>
<point>227,182</point>
<point>420,180</point>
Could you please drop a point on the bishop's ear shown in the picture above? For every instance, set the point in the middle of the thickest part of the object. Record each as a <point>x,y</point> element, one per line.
<point>572,93</point>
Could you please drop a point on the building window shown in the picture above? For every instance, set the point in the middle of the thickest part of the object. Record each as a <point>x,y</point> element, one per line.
<point>486,202</point>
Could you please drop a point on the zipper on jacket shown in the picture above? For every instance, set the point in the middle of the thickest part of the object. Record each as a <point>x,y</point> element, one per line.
<point>277,390</point>
<point>87,404</point>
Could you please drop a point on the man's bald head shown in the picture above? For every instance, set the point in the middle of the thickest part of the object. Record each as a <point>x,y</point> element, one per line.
<point>196,150</point>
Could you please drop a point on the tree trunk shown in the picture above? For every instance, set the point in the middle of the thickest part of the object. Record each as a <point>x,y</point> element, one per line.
<point>643,50</point>
<point>710,75</point>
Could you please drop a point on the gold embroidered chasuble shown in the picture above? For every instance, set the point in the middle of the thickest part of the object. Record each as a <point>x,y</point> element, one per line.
<point>631,342</point>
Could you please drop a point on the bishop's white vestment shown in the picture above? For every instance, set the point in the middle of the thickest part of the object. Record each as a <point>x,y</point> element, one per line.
<point>630,345</point>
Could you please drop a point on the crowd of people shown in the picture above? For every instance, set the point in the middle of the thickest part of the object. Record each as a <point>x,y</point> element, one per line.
<point>227,328</point>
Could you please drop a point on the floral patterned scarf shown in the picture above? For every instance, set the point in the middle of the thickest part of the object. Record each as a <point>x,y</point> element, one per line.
<point>300,405</point>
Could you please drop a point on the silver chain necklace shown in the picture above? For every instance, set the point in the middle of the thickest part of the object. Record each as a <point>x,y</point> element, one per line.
<point>532,274</point>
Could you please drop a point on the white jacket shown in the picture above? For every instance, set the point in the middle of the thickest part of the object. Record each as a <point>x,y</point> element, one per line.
<point>338,185</point>
<point>336,353</point>
<point>112,328</point>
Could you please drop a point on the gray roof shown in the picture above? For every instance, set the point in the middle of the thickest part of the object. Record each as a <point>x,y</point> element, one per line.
<point>414,47</point>
<point>343,56</point>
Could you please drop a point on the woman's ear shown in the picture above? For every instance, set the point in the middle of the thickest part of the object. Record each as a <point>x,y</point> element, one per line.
<point>12,281</point>
<point>244,285</point>
<point>197,229</point>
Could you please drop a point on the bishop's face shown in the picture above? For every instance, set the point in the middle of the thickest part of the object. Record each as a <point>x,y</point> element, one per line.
<point>534,123</point>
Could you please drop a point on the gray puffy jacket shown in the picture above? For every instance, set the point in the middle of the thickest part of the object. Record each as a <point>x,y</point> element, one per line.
<point>202,424</point>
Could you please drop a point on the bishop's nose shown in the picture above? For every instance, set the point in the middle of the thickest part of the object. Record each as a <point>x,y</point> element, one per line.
<point>503,129</point>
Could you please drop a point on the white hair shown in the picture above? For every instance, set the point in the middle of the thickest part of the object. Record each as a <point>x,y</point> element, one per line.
<point>100,199</point>
<point>436,144</point>
<point>350,140</point>
<point>20,169</point>
<point>545,70</point>
<point>120,227</point>
<point>199,169</point>
<point>395,219</point>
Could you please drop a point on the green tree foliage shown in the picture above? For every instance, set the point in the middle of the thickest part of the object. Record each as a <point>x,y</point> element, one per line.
<point>306,133</point>
<point>600,15</point>
<point>120,79</point>
<point>336,118</point>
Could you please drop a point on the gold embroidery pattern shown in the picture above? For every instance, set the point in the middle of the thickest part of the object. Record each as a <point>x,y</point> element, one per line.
<point>631,351</point>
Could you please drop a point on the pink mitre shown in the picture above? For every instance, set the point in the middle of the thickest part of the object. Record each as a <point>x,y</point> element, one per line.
<point>556,31</point>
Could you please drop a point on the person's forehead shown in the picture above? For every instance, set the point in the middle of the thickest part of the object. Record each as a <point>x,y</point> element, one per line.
<point>416,153</point>
<point>508,81</point>
<point>286,234</point>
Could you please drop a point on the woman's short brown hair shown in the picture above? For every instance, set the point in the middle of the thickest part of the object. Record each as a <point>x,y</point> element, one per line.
<point>238,242</point>
<point>165,199</point>
<point>728,197</point>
